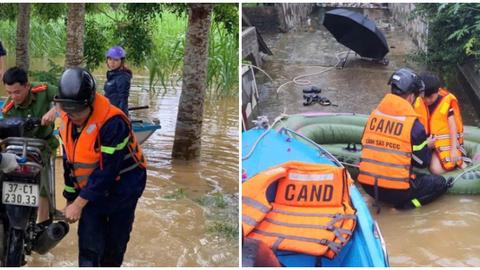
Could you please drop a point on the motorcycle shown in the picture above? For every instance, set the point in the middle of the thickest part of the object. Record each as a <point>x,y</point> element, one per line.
<point>19,234</point>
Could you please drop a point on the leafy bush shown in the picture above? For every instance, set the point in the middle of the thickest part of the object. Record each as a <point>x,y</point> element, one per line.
<point>454,31</point>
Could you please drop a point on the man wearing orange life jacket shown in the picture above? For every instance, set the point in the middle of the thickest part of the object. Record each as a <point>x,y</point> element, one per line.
<point>393,141</point>
<point>440,114</point>
<point>104,169</point>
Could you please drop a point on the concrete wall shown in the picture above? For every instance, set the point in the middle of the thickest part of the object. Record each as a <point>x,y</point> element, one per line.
<point>293,17</point>
<point>416,27</point>
<point>250,49</point>
<point>249,96</point>
<point>282,17</point>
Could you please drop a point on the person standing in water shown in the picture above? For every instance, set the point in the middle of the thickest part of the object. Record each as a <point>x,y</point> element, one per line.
<point>117,86</point>
<point>104,169</point>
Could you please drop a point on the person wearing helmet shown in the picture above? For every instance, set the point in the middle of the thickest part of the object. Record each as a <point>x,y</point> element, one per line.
<point>440,114</point>
<point>24,100</point>
<point>104,169</point>
<point>117,86</point>
<point>393,142</point>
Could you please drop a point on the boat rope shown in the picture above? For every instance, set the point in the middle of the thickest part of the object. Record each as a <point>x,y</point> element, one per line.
<point>279,118</point>
<point>465,171</point>
<point>256,67</point>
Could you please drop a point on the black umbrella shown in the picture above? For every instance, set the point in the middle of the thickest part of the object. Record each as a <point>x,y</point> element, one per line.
<point>356,32</point>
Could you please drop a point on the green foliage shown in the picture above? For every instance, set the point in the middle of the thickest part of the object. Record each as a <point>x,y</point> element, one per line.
<point>166,61</point>
<point>224,229</point>
<point>227,14</point>
<point>152,34</point>
<point>136,33</point>
<point>51,76</point>
<point>178,194</point>
<point>96,42</point>
<point>47,38</point>
<point>454,29</point>
<point>223,62</point>
<point>216,199</point>
<point>49,11</point>
<point>8,11</point>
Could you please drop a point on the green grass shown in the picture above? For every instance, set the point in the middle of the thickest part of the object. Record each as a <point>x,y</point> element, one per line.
<point>178,194</point>
<point>164,65</point>
<point>223,229</point>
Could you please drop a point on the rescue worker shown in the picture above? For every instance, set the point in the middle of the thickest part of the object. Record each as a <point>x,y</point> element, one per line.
<point>3,53</point>
<point>440,114</point>
<point>34,100</point>
<point>393,141</point>
<point>104,169</point>
<point>117,86</point>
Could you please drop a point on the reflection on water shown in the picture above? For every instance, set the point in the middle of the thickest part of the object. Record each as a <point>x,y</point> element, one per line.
<point>443,233</point>
<point>188,214</point>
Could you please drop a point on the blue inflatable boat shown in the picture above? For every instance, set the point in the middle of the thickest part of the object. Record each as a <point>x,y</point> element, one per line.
<point>263,149</point>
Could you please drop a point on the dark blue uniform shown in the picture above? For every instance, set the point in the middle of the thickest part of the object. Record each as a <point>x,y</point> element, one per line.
<point>425,187</point>
<point>117,88</point>
<point>106,221</point>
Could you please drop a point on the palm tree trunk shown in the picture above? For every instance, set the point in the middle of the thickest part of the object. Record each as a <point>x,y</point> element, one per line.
<point>188,131</point>
<point>75,33</point>
<point>23,28</point>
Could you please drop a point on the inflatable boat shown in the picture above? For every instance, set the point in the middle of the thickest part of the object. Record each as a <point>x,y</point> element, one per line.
<point>340,134</point>
<point>263,149</point>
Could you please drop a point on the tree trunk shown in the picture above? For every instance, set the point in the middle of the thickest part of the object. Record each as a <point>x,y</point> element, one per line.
<point>188,130</point>
<point>23,28</point>
<point>75,33</point>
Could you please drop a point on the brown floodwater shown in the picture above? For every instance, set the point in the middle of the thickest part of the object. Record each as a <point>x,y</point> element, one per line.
<point>443,233</point>
<point>188,214</point>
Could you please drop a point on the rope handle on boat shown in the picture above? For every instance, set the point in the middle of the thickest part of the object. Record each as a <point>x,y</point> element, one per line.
<point>279,118</point>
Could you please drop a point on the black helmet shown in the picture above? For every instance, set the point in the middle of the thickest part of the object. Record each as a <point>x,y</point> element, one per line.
<point>76,90</point>
<point>406,81</point>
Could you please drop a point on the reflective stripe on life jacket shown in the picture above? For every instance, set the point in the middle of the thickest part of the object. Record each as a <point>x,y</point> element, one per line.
<point>311,213</point>
<point>386,156</point>
<point>437,125</point>
<point>84,154</point>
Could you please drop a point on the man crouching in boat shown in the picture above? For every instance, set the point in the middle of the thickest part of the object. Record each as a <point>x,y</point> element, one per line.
<point>393,141</point>
<point>440,114</point>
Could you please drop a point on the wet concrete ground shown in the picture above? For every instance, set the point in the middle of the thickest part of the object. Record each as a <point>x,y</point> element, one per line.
<point>443,233</point>
<point>358,87</point>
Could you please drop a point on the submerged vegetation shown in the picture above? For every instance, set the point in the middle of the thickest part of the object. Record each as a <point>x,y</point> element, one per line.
<point>153,35</point>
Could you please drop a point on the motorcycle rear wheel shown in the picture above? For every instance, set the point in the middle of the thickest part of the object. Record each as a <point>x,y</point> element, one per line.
<point>14,253</point>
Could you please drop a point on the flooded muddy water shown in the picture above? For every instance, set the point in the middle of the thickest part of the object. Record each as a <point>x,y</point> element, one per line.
<point>188,214</point>
<point>443,233</point>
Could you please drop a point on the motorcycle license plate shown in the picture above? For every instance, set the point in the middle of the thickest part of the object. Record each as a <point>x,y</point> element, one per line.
<point>20,194</point>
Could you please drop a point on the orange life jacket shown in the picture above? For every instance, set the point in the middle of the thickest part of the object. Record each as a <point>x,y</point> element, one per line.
<point>386,158</point>
<point>36,89</point>
<point>84,154</point>
<point>437,124</point>
<point>311,213</point>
